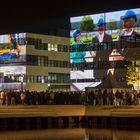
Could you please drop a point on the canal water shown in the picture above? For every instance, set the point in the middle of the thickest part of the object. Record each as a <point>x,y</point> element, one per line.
<point>71,134</point>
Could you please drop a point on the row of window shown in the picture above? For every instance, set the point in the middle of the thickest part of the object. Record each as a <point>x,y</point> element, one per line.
<point>20,41</point>
<point>43,61</point>
<point>119,79</point>
<point>129,42</point>
<point>100,65</point>
<point>57,63</point>
<point>105,46</point>
<point>37,60</point>
<point>51,78</point>
<point>124,42</point>
<point>12,78</point>
<point>85,80</point>
<point>33,41</point>
<point>47,46</point>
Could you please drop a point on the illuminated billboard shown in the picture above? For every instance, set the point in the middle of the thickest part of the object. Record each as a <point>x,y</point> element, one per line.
<point>116,25</point>
<point>92,33</point>
<point>12,77</point>
<point>12,46</point>
<point>12,61</point>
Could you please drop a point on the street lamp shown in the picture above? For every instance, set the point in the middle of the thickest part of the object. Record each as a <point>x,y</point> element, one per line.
<point>49,86</point>
<point>21,80</point>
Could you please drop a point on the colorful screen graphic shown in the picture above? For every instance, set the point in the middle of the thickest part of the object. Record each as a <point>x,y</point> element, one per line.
<point>12,61</point>
<point>92,33</point>
<point>12,46</point>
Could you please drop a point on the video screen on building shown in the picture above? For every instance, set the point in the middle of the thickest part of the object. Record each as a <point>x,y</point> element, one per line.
<point>12,77</point>
<point>12,48</point>
<point>12,61</point>
<point>90,35</point>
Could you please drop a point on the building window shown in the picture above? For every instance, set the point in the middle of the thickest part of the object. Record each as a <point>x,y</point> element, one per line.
<point>35,79</point>
<point>55,47</point>
<point>60,48</point>
<point>31,79</point>
<point>45,79</point>
<point>32,60</point>
<point>40,61</point>
<point>39,79</point>
<point>65,48</point>
<point>58,78</point>
<point>49,47</point>
<point>45,46</point>
<point>42,79</point>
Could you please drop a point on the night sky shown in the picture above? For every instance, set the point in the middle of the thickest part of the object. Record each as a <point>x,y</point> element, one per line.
<point>39,17</point>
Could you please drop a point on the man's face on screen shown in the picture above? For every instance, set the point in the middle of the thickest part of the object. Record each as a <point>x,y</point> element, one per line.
<point>129,23</point>
<point>101,28</point>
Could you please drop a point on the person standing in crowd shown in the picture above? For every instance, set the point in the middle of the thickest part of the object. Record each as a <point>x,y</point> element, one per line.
<point>129,20</point>
<point>101,36</point>
<point>2,97</point>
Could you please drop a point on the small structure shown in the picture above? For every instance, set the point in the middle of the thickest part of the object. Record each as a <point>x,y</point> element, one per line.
<point>110,83</point>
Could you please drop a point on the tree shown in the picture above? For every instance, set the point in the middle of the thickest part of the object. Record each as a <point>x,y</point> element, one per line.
<point>87,24</point>
<point>112,25</point>
<point>132,76</point>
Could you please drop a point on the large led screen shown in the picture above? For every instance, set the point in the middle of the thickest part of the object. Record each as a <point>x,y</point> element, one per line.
<point>92,33</point>
<point>12,61</point>
<point>12,48</point>
<point>12,77</point>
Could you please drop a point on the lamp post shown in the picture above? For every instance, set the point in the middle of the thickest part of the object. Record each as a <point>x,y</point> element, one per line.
<point>21,80</point>
<point>49,86</point>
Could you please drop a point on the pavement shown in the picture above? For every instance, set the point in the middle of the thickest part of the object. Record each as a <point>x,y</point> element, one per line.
<point>68,111</point>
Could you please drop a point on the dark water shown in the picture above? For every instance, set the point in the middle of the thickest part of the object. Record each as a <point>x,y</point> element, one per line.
<point>71,134</point>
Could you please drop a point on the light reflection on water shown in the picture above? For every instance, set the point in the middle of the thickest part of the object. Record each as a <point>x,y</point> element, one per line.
<point>108,134</point>
<point>70,134</point>
<point>47,134</point>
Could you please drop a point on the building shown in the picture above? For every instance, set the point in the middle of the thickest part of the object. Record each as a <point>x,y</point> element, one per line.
<point>34,62</point>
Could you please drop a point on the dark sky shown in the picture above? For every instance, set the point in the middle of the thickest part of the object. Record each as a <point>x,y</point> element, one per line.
<point>45,17</point>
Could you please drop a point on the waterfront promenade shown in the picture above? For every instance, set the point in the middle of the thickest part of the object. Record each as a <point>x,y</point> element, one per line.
<point>68,111</point>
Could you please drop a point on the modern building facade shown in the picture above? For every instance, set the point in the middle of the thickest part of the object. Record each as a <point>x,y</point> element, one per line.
<point>34,62</point>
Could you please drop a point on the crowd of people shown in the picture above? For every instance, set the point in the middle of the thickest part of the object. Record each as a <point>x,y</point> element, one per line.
<point>97,97</point>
